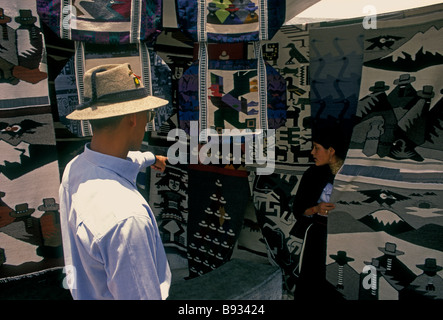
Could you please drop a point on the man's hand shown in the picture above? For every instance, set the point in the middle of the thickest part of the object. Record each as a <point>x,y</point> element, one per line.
<point>160,163</point>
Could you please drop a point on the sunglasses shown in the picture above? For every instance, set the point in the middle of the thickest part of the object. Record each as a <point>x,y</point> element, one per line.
<point>151,115</point>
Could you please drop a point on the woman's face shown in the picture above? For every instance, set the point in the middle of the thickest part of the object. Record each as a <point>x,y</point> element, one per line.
<point>320,154</point>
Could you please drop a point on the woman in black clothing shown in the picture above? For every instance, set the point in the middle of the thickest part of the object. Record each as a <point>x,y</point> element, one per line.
<point>312,206</point>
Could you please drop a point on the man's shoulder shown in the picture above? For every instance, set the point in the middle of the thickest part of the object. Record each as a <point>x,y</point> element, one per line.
<point>109,201</point>
<point>74,163</point>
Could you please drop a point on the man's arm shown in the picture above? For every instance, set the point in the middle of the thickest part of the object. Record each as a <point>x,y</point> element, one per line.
<point>146,159</point>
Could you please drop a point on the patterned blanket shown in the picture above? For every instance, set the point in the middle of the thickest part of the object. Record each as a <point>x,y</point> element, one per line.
<point>385,236</point>
<point>30,238</point>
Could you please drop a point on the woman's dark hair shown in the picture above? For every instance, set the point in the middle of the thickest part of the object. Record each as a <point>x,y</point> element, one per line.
<point>331,136</point>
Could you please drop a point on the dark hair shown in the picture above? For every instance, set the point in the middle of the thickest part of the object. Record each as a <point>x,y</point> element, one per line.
<point>331,136</point>
<point>100,124</point>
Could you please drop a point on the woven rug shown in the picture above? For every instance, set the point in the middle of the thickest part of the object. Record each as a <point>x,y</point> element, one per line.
<point>233,21</point>
<point>30,238</point>
<point>168,198</point>
<point>273,197</point>
<point>288,53</point>
<point>336,56</point>
<point>23,76</point>
<point>104,23</point>
<point>29,180</point>
<point>217,204</point>
<point>229,88</point>
<point>385,236</point>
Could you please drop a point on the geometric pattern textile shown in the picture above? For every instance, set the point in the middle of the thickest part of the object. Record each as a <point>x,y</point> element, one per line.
<point>231,92</point>
<point>273,197</point>
<point>223,21</point>
<point>230,21</point>
<point>217,203</point>
<point>30,237</point>
<point>154,73</point>
<point>23,70</point>
<point>288,54</point>
<point>168,197</point>
<point>103,22</point>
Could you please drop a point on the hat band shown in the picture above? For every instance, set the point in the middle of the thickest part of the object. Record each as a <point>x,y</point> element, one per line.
<point>115,97</point>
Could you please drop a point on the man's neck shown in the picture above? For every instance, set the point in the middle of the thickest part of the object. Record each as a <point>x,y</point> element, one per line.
<point>106,144</point>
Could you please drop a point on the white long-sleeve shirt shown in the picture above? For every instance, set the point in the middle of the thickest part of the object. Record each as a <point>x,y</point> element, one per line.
<point>109,232</point>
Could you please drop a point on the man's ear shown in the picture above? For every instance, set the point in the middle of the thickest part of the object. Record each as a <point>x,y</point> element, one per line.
<point>131,119</point>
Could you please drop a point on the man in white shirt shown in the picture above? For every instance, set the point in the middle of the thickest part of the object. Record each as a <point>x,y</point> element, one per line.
<point>110,236</point>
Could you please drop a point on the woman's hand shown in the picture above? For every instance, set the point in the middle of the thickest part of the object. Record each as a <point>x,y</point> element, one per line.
<point>323,208</point>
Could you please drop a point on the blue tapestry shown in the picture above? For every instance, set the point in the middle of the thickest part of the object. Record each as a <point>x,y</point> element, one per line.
<point>336,56</point>
<point>104,22</point>
<point>230,21</point>
<point>231,93</point>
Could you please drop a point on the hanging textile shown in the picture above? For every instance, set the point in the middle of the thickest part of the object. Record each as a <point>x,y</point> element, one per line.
<point>217,203</point>
<point>336,56</point>
<point>225,90</point>
<point>154,73</point>
<point>168,198</point>
<point>29,178</point>
<point>230,21</point>
<point>288,54</point>
<point>385,236</point>
<point>236,20</point>
<point>273,199</point>
<point>119,22</point>
<point>23,69</point>
<point>177,51</point>
<point>30,237</point>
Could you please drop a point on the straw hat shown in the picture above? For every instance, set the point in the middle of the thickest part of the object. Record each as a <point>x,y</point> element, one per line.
<point>113,90</point>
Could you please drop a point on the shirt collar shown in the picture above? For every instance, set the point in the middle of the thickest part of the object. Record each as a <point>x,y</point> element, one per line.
<point>123,167</point>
